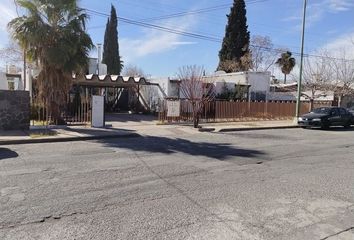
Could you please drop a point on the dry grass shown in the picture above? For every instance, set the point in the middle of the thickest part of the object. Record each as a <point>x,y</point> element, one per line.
<point>44,133</point>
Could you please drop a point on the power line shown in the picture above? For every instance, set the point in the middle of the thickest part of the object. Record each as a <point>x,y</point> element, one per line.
<point>161,28</point>
<point>185,13</point>
<point>193,12</point>
<point>204,10</point>
<point>190,12</point>
<point>198,36</point>
<point>197,11</point>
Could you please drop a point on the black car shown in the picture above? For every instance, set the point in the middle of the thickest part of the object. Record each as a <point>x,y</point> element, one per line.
<point>327,116</point>
<point>351,110</point>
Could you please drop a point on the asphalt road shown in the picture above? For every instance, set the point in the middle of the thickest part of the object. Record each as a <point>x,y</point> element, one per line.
<point>274,184</point>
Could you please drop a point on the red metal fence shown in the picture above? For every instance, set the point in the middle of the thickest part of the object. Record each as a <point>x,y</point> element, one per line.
<point>224,111</point>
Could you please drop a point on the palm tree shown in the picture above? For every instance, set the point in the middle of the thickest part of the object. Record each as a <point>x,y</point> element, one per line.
<point>286,62</point>
<point>52,34</point>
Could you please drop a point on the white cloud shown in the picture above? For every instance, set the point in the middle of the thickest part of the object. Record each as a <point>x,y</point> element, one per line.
<point>7,13</point>
<point>342,45</point>
<point>292,18</point>
<point>183,43</point>
<point>340,5</point>
<point>154,41</point>
<point>341,48</point>
<point>318,10</point>
<point>332,32</point>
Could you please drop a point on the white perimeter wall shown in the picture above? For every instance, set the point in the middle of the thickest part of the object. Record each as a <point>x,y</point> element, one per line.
<point>3,81</point>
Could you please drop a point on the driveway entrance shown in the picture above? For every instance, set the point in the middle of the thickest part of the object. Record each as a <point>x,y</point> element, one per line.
<point>126,120</point>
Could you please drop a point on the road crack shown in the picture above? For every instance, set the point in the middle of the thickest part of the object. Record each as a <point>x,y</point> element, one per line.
<point>336,234</point>
<point>41,220</point>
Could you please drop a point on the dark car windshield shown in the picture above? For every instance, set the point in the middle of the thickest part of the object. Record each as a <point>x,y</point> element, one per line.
<point>321,110</point>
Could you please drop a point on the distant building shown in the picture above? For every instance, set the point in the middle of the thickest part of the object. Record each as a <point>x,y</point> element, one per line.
<point>256,84</point>
<point>94,67</point>
<point>11,79</point>
<point>288,92</point>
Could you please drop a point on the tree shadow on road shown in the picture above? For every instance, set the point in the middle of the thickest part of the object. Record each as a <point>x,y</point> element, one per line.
<point>164,145</point>
<point>7,153</point>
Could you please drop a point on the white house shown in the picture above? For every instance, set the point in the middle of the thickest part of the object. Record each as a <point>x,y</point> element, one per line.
<point>288,92</point>
<point>96,67</point>
<point>11,79</point>
<point>257,83</point>
<point>168,85</point>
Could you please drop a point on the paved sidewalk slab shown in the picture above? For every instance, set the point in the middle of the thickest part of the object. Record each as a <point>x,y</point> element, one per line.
<point>62,135</point>
<point>82,133</point>
<point>246,126</point>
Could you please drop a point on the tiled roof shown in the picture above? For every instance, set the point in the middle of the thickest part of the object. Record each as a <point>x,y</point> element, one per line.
<point>108,80</point>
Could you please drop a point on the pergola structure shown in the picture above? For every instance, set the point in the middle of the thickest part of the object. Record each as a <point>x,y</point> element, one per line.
<point>115,84</point>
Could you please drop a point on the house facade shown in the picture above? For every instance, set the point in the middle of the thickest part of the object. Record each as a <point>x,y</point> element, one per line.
<point>255,83</point>
<point>288,92</point>
<point>11,79</point>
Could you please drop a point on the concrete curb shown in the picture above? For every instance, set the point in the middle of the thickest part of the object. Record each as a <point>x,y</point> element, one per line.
<point>255,128</point>
<point>66,139</point>
<point>206,129</point>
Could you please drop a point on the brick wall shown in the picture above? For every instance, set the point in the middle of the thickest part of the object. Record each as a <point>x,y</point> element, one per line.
<point>14,110</point>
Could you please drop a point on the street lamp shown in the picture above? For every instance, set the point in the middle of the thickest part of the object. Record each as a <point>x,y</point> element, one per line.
<point>298,100</point>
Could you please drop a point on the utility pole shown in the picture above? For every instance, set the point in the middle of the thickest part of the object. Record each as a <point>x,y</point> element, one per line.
<point>298,101</point>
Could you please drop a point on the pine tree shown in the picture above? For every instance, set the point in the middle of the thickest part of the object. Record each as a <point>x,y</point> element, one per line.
<point>111,47</point>
<point>235,47</point>
<point>105,44</point>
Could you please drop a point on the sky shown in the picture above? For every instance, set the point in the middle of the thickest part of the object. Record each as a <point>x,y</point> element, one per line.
<point>158,53</point>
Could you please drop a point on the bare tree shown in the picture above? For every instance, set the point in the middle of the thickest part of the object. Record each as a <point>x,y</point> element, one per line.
<point>263,54</point>
<point>133,71</point>
<point>317,75</point>
<point>343,70</point>
<point>12,54</point>
<point>196,89</point>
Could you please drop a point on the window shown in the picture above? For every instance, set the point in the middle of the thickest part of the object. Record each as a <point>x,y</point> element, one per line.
<point>11,85</point>
<point>324,110</point>
<point>335,112</point>
<point>342,111</point>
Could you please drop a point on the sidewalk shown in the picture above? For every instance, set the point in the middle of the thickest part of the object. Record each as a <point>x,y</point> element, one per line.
<point>246,126</point>
<point>124,130</point>
<point>68,133</point>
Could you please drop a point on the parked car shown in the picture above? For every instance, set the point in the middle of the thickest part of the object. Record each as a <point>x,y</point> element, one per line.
<point>351,110</point>
<point>326,117</point>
